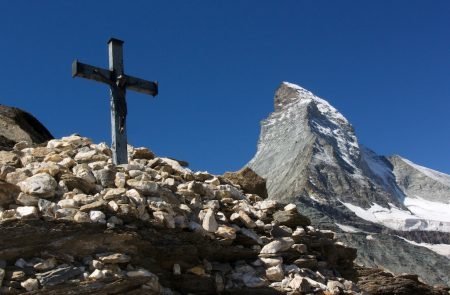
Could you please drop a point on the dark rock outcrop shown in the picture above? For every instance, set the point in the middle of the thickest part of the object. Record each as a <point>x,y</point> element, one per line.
<point>249,181</point>
<point>17,125</point>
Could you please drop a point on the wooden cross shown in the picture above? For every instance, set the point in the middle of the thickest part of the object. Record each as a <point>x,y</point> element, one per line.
<point>118,83</point>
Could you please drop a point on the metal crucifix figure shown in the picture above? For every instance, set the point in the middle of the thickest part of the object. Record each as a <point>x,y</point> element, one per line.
<point>118,82</point>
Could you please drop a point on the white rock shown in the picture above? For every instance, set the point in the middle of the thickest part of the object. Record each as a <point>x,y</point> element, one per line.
<point>68,203</point>
<point>135,197</point>
<point>266,205</point>
<point>97,275</point>
<point>278,245</point>
<point>113,206</point>
<point>271,261</point>
<point>290,207</point>
<point>41,184</point>
<point>275,273</point>
<point>209,221</point>
<point>97,216</point>
<point>299,231</point>
<point>30,284</point>
<point>27,212</point>
<point>120,180</point>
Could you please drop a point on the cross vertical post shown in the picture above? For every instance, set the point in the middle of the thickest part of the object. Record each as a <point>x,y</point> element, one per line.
<point>118,103</point>
<point>118,82</point>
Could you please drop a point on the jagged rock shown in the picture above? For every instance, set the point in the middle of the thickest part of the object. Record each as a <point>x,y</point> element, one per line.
<point>209,221</point>
<point>42,185</point>
<point>249,181</point>
<point>58,275</point>
<point>291,218</point>
<point>8,193</point>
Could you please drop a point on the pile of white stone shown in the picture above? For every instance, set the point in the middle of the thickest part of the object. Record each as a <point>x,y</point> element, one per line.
<point>74,180</point>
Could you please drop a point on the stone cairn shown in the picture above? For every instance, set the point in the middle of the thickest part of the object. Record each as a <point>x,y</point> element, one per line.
<point>72,180</point>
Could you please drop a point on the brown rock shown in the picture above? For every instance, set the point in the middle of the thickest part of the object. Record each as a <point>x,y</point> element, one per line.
<point>9,158</point>
<point>8,193</point>
<point>17,125</point>
<point>249,181</point>
<point>73,182</point>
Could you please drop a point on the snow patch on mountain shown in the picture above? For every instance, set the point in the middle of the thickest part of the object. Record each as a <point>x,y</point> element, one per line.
<point>441,249</point>
<point>431,215</point>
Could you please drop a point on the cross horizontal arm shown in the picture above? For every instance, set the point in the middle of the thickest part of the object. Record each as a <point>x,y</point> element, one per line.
<point>142,86</point>
<point>106,76</point>
<point>90,72</point>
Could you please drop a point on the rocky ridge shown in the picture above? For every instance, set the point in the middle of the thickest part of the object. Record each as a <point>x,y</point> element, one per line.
<point>73,223</point>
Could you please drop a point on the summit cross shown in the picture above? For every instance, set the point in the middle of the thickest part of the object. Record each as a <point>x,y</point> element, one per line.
<point>118,82</point>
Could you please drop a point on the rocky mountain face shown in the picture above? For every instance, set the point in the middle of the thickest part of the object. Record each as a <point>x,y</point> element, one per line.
<point>392,210</point>
<point>17,125</point>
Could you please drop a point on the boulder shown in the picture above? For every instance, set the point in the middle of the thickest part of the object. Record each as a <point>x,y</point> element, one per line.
<point>249,181</point>
<point>42,185</point>
<point>278,245</point>
<point>18,125</point>
<point>291,219</point>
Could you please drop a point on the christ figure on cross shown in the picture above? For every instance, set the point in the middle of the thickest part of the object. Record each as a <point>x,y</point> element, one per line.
<point>118,82</point>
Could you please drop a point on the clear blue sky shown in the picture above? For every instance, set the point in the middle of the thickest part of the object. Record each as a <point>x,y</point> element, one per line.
<point>384,64</point>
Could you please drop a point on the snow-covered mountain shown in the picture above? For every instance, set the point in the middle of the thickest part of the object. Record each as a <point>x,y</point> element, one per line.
<point>309,153</point>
